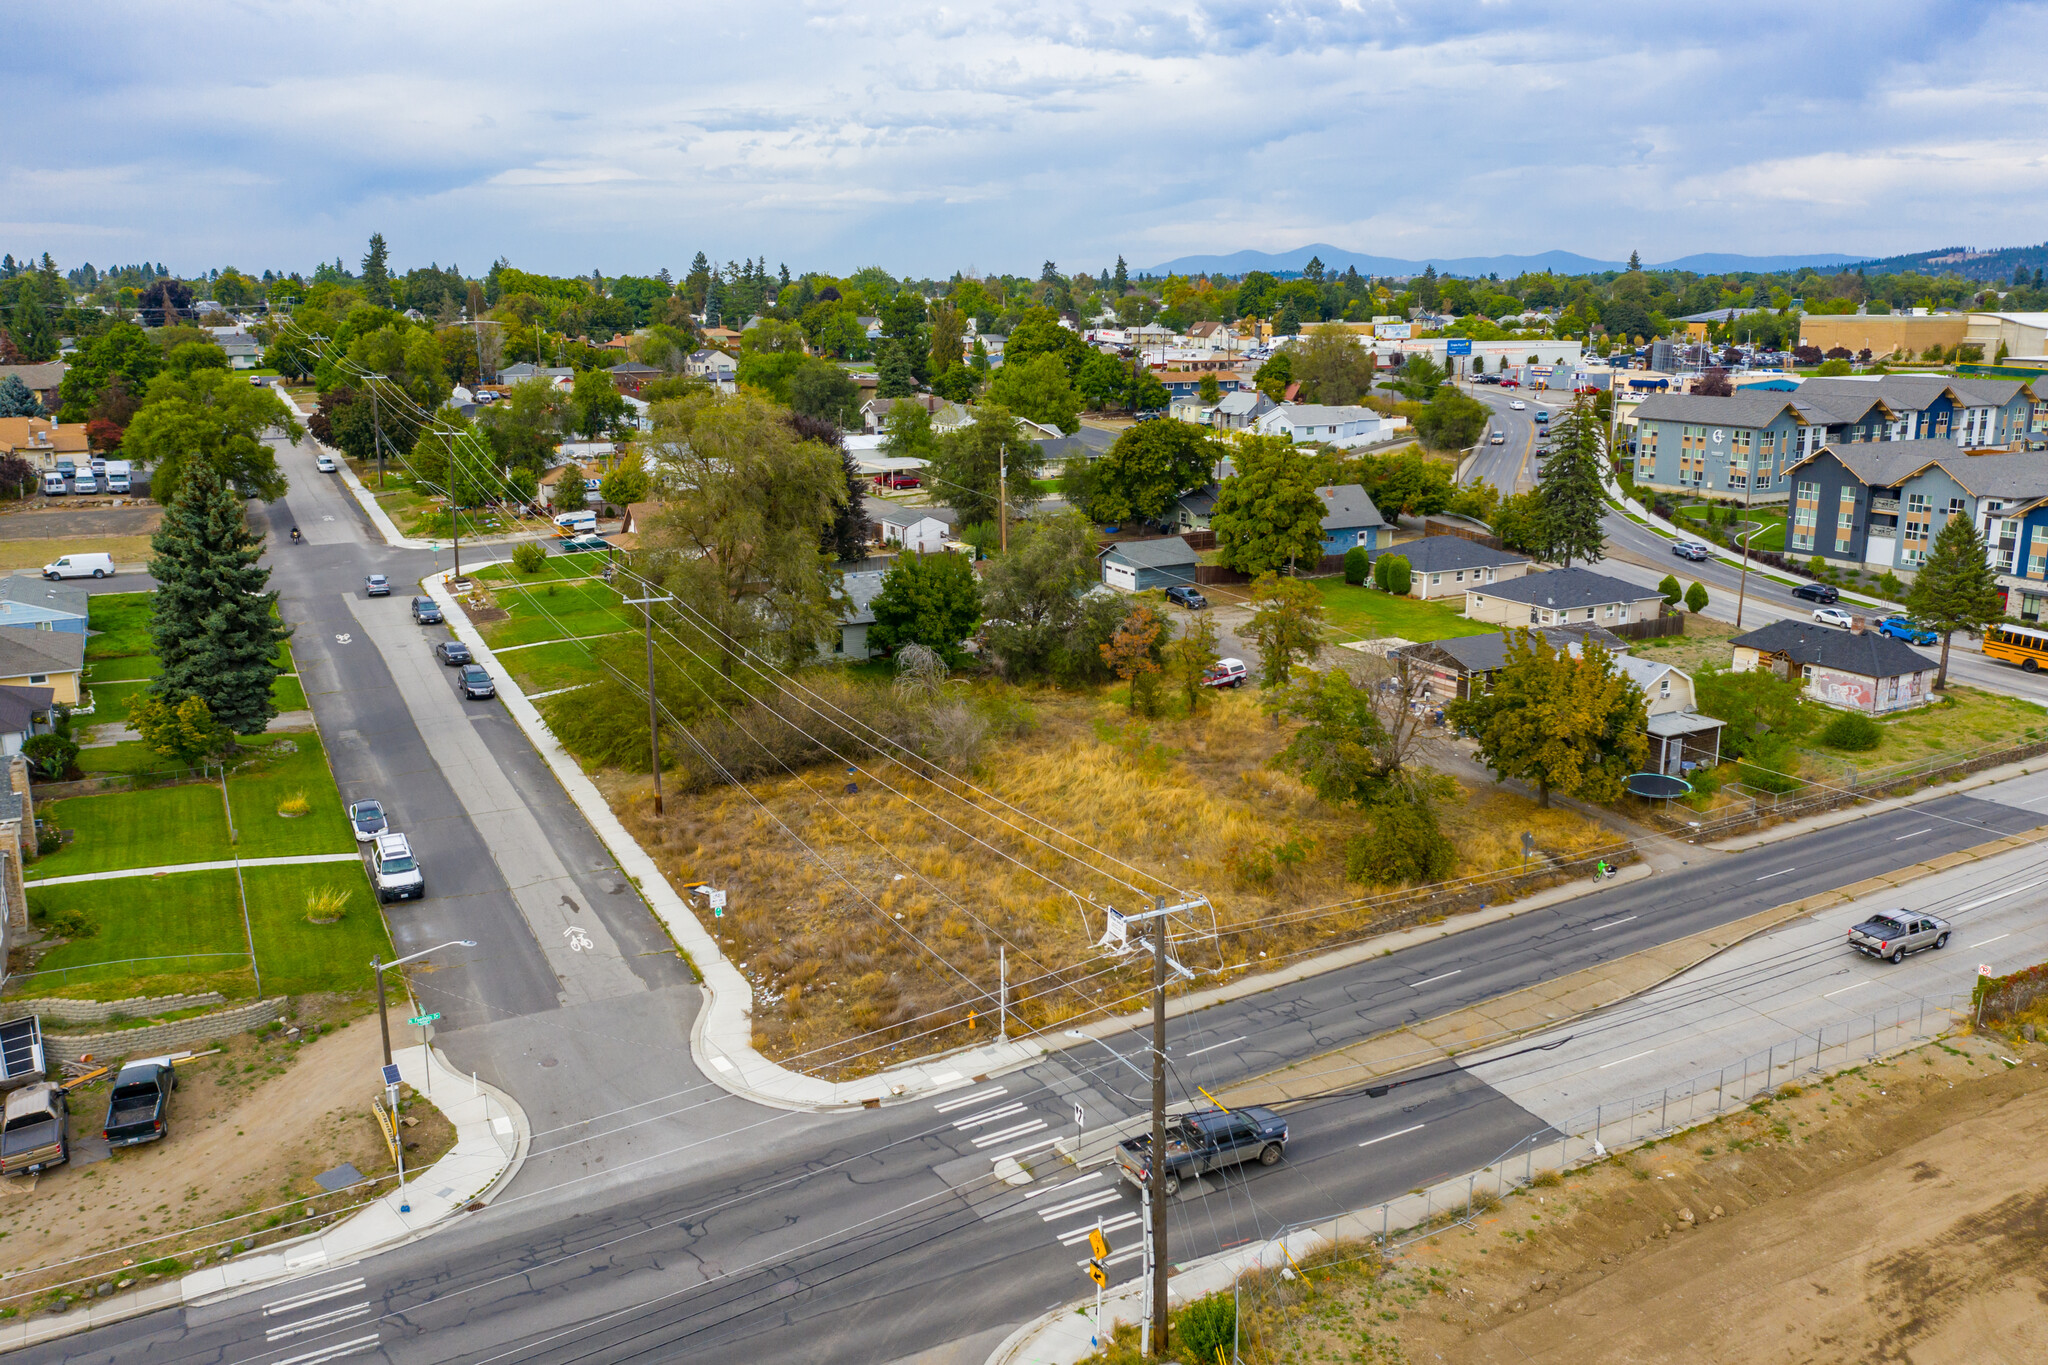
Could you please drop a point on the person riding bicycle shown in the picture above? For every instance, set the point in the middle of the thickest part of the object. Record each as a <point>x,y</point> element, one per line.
<point>1601,869</point>
<point>295,535</point>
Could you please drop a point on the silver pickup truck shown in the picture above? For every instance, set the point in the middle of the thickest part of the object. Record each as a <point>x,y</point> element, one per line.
<point>1891,934</point>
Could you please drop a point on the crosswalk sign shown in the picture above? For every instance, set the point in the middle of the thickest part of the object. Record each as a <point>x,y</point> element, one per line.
<point>1098,1244</point>
<point>1098,1274</point>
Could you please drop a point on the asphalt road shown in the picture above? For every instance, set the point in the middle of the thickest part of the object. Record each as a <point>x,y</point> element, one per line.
<point>873,1237</point>
<point>1508,466</point>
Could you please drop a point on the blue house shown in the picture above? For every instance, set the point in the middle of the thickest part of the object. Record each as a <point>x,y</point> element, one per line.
<point>1349,519</point>
<point>1881,504</point>
<point>41,605</point>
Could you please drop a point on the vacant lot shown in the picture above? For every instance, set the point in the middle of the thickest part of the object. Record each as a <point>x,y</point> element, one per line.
<point>890,913</point>
<point>250,1128</point>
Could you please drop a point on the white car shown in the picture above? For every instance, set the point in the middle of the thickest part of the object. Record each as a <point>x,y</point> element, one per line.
<point>325,464</point>
<point>1833,616</point>
<point>1518,405</point>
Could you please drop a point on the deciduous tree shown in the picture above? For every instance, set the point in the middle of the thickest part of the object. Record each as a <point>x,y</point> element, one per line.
<point>1038,389</point>
<point>932,600</point>
<point>1131,652</point>
<point>1267,514</point>
<point>1567,722</point>
<point>1332,366</point>
<point>1287,625</point>
<point>1189,657</point>
<point>967,465</point>
<point>1149,466</point>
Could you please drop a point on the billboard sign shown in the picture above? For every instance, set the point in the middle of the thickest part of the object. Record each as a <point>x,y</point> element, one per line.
<point>1392,331</point>
<point>1458,346</point>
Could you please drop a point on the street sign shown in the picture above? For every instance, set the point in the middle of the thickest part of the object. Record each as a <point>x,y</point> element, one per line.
<point>1984,969</point>
<point>717,904</point>
<point>1097,1243</point>
<point>1458,346</point>
<point>423,1020</point>
<point>390,1073</point>
<point>1080,1117</point>
<point>1098,1274</point>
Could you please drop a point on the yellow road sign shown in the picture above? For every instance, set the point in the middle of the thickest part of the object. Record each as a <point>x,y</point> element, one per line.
<point>1098,1274</point>
<point>1098,1244</point>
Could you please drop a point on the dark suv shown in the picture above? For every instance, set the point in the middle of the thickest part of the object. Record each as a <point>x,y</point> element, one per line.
<point>1182,595</point>
<point>1817,592</point>
<point>426,611</point>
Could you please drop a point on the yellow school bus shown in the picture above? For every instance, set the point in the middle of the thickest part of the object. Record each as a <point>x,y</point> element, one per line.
<point>2026,646</point>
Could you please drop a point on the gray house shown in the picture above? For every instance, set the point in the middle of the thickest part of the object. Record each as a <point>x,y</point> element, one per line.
<point>1563,597</point>
<point>1141,565</point>
<point>1856,670</point>
<point>1191,510</point>
<point>1240,411</point>
<point>1443,566</point>
<point>861,590</point>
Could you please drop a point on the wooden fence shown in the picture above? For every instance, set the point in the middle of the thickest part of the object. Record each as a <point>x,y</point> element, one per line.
<point>1671,623</point>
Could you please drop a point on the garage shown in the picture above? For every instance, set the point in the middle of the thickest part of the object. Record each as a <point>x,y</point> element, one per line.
<point>1142,565</point>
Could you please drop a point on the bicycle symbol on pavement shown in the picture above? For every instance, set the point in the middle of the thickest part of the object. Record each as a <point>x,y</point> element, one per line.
<point>579,940</point>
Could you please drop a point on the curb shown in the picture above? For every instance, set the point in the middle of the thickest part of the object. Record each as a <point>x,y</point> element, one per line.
<point>473,1172</point>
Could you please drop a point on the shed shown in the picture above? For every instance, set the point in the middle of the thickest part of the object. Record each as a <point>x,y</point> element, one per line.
<point>914,528</point>
<point>1141,565</point>
<point>1856,670</point>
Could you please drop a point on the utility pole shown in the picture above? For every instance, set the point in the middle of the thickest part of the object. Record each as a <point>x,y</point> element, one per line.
<point>646,605</point>
<point>376,427</point>
<point>1748,492</point>
<point>1003,499</point>
<point>1155,1322</point>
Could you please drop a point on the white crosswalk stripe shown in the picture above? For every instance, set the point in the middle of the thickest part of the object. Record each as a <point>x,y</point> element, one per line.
<point>1001,1111</point>
<point>1006,1134</point>
<point>1076,1236</point>
<point>1095,1199</point>
<point>969,1101</point>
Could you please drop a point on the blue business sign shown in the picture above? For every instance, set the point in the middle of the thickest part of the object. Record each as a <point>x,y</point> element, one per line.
<point>1458,346</point>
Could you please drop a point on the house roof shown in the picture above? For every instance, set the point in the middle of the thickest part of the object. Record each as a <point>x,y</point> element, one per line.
<point>1322,414</point>
<point>37,592</point>
<point>1566,589</point>
<point>1088,442</point>
<point>24,649</point>
<point>39,434</point>
<point>21,705</point>
<point>47,375</point>
<point>1749,408</point>
<point>1868,655</point>
<point>908,516</point>
<point>1169,553</point>
<point>1485,653</point>
<point>633,367</point>
<point>1200,501</point>
<point>1349,507</point>
<point>1887,464</point>
<point>1645,672</point>
<point>1436,554</point>
<point>1912,392</point>
<point>861,590</point>
<point>1244,403</point>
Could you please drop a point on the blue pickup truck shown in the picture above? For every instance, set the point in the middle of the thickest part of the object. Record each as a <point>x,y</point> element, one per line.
<point>1205,1140</point>
<point>1907,629</point>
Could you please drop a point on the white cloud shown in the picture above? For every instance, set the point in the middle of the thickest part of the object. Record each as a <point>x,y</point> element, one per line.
<point>926,136</point>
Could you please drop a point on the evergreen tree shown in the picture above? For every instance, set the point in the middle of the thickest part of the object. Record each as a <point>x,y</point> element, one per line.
<point>211,619</point>
<point>1123,277</point>
<point>33,335</point>
<point>892,370</point>
<point>377,272</point>
<point>845,536</point>
<point>1572,491</point>
<point>1956,589</point>
<point>17,400</point>
<point>1635,260</point>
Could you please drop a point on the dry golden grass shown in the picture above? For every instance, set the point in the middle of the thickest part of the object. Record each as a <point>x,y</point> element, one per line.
<point>901,932</point>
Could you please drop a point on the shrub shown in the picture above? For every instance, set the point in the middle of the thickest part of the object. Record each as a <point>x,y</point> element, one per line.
<point>1673,594</point>
<point>1356,564</point>
<point>1772,767</point>
<point>1207,1327</point>
<point>1696,598</point>
<point>1817,566</point>
<point>52,755</point>
<point>1399,578</point>
<point>1888,585</point>
<point>1853,731</point>
<point>326,904</point>
<point>295,805</point>
<point>528,557</point>
<point>1405,844</point>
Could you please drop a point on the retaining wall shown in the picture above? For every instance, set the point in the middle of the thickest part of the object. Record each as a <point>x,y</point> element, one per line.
<point>156,1038</point>
<point>99,1011</point>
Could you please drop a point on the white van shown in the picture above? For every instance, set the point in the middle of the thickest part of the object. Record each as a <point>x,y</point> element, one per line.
<point>95,565</point>
<point>576,524</point>
<point>85,482</point>
<point>117,476</point>
<point>53,484</point>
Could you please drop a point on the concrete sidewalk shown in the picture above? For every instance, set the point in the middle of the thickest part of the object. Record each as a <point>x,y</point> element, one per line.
<point>113,732</point>
<point>491,1137</point>
<point>193,867</point>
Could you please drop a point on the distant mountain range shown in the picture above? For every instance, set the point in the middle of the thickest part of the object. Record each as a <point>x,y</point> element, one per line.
<point>1559,262</point>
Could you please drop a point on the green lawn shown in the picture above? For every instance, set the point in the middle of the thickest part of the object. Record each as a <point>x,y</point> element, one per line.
<point>123,669</point>
<point>585,564</point>
<point>257,788</point>
<point>297,955</point>
<point>157,827</point>
<point>129,756</point>
<point>547,667</point>
<point>145,917</point>
<point>1771,537</point>
<point>1967,719</point>
<point>120,625</point>
<point>557,611</point>
<point>110,699</point>
<point>287,695</point>
<point>1357,613</point>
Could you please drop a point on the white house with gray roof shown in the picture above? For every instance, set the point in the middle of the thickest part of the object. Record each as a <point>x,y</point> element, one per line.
<point>1329,425</point>
<point>1563,597</point>
<point>1444,566</point>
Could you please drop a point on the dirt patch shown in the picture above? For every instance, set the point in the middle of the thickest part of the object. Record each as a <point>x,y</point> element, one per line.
<point>1894,1213</point>
<point>896,924</point>
<point>132,518</point>
<point>250,1128</point>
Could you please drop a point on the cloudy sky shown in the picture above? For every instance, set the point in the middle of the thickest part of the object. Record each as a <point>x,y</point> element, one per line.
<point>625,137</point>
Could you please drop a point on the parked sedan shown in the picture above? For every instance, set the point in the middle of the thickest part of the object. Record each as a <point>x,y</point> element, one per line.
<point>1182,595</point>
<point>454,653</point>
<point>1907,629</point>
<point>377,585</point>
<point>477,684</point>
<point>368,819</point>
<point>325,464</point>
<point>426,611</point>
<point>1833,616</point>
<point>1689,549</point>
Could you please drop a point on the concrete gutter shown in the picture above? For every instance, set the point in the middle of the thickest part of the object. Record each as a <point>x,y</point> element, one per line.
<point>491,1139</point>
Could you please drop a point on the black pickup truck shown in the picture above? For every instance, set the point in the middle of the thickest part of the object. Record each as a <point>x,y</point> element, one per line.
<point>140,1108</point>
<point>1205,1140</point>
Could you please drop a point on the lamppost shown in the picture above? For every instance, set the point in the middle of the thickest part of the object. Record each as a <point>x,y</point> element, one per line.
<point>380,967</point>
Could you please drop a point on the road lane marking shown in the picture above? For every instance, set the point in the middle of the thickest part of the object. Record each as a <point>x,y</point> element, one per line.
<point>1213,1046</point>
<point>1418,985</point>
<point>1999,897</point>
<point>1619,1060</point>
<point>1006,1134</point>
<point>968,1101</point>
<point>1610,924</point>
<point>1093,1199</point>
<point>307,1300</point>
<point>1914,835</point>
<point>1982,942</point>
<point>1001,1111</point>
<point>325,1353</point>
<point>1845,990</point>
<point>1026,1150</point>
<point>314,1324</point>
<point>1384,1136</point>
<point>1779,873</point>
<point>1076,1236</point>
<point>1087,1179</point>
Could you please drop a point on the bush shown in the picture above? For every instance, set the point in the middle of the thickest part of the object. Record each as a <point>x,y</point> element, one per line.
<point>1356,565</point>
<point>1673,594</point>
<point>528,557</point>
<point>1772,767</point>
<point>1405,844</point>
<point>1696,598</point>
<point>1888,585</point>
<point>52,755</point>
<point>295,805</point>
<point>326,905</point>
<point>1392,573</point>
<point>1207,1327</point>
<point>1853,731</point>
